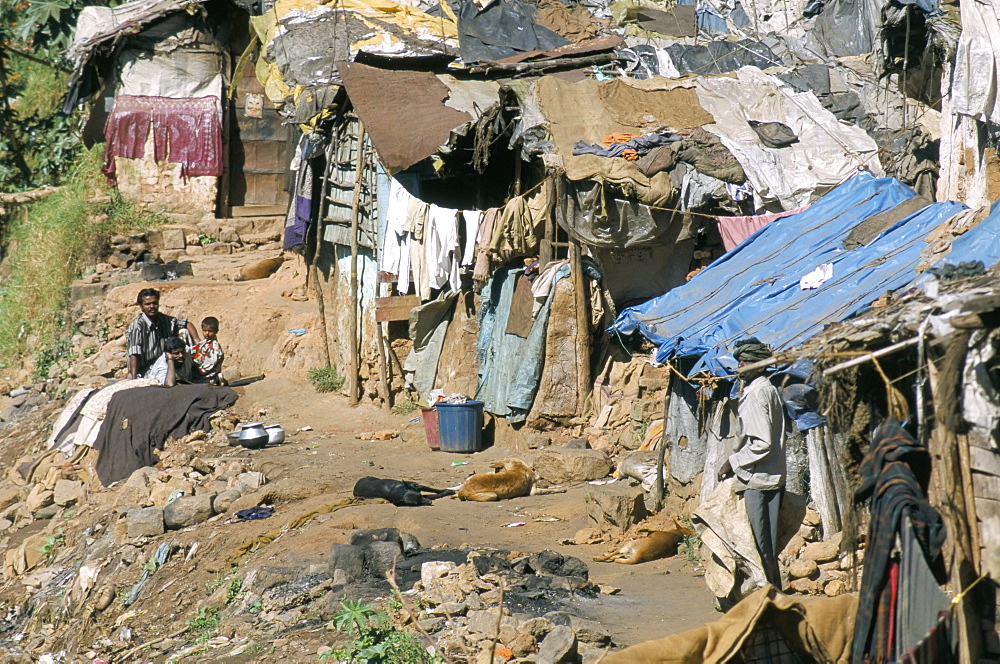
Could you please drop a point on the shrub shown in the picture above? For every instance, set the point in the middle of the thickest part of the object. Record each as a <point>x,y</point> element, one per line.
<point>326,379</point>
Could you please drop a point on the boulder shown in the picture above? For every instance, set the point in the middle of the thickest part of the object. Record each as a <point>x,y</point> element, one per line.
<point>144,522</point>
<point>558,647</point>
<point>563,465</point>
<point>589,631</point>
<point>615,508</point>
<point>224,500</point>
<point>187,511</point>
<point>173,238</point>
<point>380,557</point>
<point>347,559</point>
<point>67,492</point>
<point>433,570</point>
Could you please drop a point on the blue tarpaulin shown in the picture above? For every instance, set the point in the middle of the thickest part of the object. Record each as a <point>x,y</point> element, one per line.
<point>754,289</point>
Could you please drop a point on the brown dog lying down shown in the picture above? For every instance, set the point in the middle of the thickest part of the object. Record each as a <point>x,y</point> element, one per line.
<point>657,544</point>
<point>510,479</point>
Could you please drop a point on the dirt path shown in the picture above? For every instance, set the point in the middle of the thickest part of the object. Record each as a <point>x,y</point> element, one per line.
<point>656,598</point>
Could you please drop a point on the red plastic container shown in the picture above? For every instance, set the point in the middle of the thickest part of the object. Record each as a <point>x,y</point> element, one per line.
<point>433,433</point>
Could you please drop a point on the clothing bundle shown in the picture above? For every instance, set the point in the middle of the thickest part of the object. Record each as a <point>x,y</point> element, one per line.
<point>629,146</point>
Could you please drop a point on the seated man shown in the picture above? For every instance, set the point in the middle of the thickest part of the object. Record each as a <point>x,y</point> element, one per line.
<point>147,332</point>
<point>165,369</point>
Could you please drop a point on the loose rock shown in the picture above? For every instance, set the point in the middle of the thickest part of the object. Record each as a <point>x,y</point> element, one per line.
<point>187,511</point>
<point>558,647</point>
<point>563,465</point>
<point>144,522</point>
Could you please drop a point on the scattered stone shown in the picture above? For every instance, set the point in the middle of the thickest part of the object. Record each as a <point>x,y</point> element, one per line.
<point>67,492</point>
<point>834,588</point>
<point>144,522</point>
<point>794,545</point>
<point>187,511</point>
<point>577,444</point>
<point>48,511</point>
<point>608,590</point>
<point>173,238</point>
<point>537,627</point>
<point>431,625</point>
<point>378,435</point>
<point>811,517</point>
<point>451,609</point>
<point>563,465</point>
<point>523,645</point>
<point>615,508</point>
<point>803,568</point>
<point>482,622</point>
<point>536,441</point>
<point>433,570</point>
<point>38,498</point>
<point>589,631</point>
<point>806,586</point>
<point>10,493</point>
<point>250,482</point>
<point>821,552</point>
<point>588,536</point>
<point>558,647</point>
<point>224,500</point>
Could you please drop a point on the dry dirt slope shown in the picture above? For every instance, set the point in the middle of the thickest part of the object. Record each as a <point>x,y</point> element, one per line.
<point>273,598</point>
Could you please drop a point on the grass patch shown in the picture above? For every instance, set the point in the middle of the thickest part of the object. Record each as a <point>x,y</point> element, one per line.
<point>205,623</point>
<point>326,379</point>
<point>47,244</point>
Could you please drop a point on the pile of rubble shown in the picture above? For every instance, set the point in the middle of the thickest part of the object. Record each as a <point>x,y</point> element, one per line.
<point>477,602</point>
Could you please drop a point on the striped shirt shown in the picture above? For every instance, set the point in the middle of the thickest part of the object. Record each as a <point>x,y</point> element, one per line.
<point>145,337</point>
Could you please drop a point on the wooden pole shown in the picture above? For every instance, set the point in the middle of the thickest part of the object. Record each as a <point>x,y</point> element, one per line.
<point>312,274</point>
<point>383,370</point>
<point>582,329</point>
<point>658,485</point>
<point>353,376</point>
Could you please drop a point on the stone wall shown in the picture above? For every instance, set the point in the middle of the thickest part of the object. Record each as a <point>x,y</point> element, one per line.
<point>160,186</point>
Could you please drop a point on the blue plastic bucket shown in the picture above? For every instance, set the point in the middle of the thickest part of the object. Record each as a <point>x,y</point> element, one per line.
<point>460,426</point>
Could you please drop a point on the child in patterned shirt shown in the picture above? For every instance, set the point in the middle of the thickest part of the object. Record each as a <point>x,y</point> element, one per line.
<point>208,354</point>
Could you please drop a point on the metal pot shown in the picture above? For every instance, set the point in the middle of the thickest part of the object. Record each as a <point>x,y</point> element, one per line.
<point>253,436</point>
<point>275,434</point>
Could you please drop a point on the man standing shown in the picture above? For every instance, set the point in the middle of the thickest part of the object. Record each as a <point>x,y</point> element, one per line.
<point>759,463</point>
<point>146,334</point>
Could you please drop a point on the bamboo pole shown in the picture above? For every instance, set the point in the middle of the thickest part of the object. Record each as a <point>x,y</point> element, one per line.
<point>353,358</point>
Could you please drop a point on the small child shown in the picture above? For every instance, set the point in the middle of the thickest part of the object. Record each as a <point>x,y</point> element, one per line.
<point>208,354</point>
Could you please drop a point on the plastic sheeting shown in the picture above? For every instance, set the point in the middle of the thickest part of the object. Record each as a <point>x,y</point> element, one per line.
<point>977,63</point>
<point>504,29</point>
<point>717,57</point>
<point>754,289</point>
<point>827,153</point>
<point>591,214</point>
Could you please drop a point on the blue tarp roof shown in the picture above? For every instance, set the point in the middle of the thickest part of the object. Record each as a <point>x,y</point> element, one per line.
<point>754,290</point>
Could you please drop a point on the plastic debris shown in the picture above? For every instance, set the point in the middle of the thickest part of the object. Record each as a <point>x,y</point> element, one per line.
<point>514,524</point>
<point>459,463</point>
<point>297,331</point>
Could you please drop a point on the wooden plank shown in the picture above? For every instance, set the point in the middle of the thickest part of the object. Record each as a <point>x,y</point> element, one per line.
<point>986,508</point>
<point>986,486</point>
<point>258,210</point>
<point>395,308</point>
<point>984,461</point>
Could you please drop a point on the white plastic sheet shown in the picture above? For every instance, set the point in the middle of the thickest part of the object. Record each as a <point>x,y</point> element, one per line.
<point>977,62</point>
<point>828,151</point>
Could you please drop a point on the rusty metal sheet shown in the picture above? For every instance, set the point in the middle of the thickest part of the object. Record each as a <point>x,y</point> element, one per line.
<point>403,112</point>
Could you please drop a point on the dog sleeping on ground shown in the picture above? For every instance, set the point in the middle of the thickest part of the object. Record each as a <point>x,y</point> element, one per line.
<point>657,544</point>
<point>398,492</point>
<point>510,479</point>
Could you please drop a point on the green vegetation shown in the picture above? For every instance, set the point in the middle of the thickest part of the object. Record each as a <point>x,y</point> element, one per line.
<point>404,407</point>
<point>235,588</point>
<point>326,379</point>
<point>47,248</point>
<point>204,624</point>
<point>52,543</point>
<point>374,639</point>
<point>691,544</point>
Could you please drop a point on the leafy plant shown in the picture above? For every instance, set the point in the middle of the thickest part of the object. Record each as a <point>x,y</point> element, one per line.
<point>52,542</point>
<point>326,379</point>
<point>691,544</point>
<point>235,588</point>
<point>204,624</point>
<point>375,640</point>
<point>204,239</point>
<point>404,407</point>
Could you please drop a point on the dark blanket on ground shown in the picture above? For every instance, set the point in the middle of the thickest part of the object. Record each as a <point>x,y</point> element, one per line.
<point>139,421</point>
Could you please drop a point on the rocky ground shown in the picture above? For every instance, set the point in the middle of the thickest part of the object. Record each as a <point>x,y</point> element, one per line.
<point>157,568</point>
